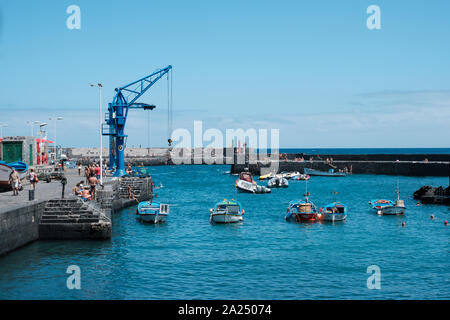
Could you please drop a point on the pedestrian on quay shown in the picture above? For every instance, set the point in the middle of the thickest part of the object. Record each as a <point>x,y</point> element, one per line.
<point>79,168</point>
<point>86,174</point>
<point>97,171</point>
<point>14,180</point>
<point>33,179</point>
<point>93,184</point>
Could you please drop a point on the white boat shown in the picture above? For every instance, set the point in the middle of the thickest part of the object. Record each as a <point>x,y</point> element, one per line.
<point>153,212</point>
<point>5,172</point>
<point>292,175</point>
<point>278,182</point>
<point>397,209</point>
<point>335,211</point>
<point>227,211</point>
<point>246,183</point>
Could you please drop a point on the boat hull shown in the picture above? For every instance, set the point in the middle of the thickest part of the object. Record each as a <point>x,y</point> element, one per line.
<point>332,217</point>
<point>303,217</point>
<point>312,172</point>
<point>153,218</point>
<point>5,171</point>
<point>392,210</point>
<point>226,218</point>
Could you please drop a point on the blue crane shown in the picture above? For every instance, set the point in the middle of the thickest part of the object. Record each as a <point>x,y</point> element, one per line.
<point>124,100</point>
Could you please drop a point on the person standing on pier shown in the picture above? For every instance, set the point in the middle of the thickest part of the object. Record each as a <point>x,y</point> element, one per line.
<point>14,181</point>
<point>33,179</point>
<point>79,168</point>
<point>93,183</point>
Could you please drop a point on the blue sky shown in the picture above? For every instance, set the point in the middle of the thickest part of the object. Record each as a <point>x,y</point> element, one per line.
<point>309,68</point>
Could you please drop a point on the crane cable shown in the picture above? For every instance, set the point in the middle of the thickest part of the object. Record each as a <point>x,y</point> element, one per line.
<point>169,106</point>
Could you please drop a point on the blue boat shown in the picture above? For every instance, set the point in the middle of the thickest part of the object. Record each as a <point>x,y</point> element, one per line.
<point>380,204</point>
<point>329,173</point>
<point>301,211</point>
<point>334,211</point>
<point>153,212</point>
<point>20,167</point>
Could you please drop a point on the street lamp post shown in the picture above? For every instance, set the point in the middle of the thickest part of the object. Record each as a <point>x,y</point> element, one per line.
<point>32,123</point>
<point>2,125</point>
<point>56,146</point>
<point>100,86</point>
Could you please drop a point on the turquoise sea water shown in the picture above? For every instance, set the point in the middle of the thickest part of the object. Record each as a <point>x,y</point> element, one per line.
<point>262,258</point>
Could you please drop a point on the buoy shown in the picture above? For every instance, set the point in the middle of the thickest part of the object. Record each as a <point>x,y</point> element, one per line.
<point>418,203</point>
<point>445,222</point>
<point>403,224</point>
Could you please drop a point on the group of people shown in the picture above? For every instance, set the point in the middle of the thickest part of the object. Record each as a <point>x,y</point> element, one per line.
<point>88,189</point>
<point>14,181</point>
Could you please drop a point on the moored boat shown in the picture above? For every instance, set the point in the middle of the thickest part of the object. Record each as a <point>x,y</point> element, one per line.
<point>278,182</point>
<point>397,208</point>
<point>301,211</point>
<point>329,173</point>
<point>303,177</point>
<point>380,204</point>
<point>246,183</point>
<point>267,176</point>
<point>334,211</point>
<point>227,211</point>
<point>153,212</point>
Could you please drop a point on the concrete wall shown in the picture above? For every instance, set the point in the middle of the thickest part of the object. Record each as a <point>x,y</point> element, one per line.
<point>20,226</point>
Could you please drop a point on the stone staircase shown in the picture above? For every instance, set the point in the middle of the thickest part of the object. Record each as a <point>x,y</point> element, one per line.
<point>73,219</point>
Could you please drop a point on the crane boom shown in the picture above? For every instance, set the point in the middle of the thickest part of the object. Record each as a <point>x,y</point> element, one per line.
<point>116,118</point>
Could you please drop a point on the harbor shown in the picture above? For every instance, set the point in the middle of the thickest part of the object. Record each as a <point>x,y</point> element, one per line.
<point>189,257</point>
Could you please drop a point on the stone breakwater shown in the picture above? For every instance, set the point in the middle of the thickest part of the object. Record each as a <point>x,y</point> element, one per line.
<point>390,164</point>
<point>51,217</point>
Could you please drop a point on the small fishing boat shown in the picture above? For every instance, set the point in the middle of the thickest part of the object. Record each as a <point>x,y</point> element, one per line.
<point>246,183</point>
<point>397,208</point>
<point>302,177</point>
<point>153,212</point>
<point>335,211</point>
<point>6,170</point>
<point>378,204</point>
<point>301,211</point>
<point>278,182</point>
<point>329,173</point>
<point>227,211</point>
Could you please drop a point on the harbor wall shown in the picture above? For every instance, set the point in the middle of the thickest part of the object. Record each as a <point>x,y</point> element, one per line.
<point>20,226</point>
<point>404,168</point>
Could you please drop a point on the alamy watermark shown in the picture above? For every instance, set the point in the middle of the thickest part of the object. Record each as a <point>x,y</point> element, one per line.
<point>74,20</point>
<point>74,280</point>
<point>374,20</point>
<point>374,280</point>
<point>213,147</point>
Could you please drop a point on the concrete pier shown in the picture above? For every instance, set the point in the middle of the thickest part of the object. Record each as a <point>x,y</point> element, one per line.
<point>50,217</point>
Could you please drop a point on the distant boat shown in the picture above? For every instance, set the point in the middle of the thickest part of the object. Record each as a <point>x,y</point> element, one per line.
<point>267,176</point>
<point>292,175</point>
<point>329,173</point>
<point>153,212</point>
<point>246,183</point>
<point>303,177</point>
<point>334,211</point>
<point>278,182</point>
<point>227,211</point>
